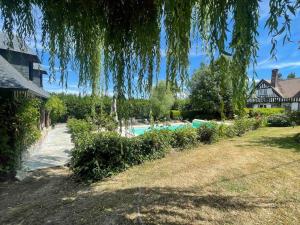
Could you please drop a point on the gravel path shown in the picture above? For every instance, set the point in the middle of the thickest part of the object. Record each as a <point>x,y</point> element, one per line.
<point>53,150</point>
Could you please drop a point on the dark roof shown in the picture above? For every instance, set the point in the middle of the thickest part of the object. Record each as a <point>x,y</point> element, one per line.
<point>10,78</point>
<point>16,45</point>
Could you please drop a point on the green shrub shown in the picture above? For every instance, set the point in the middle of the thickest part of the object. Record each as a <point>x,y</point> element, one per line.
<point>175,114</point>
<point>295,117</point>
<point>138,108</point>
<point>100,159</point>
<point>155,143</point>
<point>242,125</point>
<point>19,129</point>
<point>279,121</point>
<point>189,114</point>
<point>78,128</point>
<point>181,104</point>
<point>208,133</point>
<point>229,131</point>
<point>185,137</point>
<point>258,122</point>
<point>221,130</point>
<point>254,112</point>
<point>57,109</point>
<point>297,138</point>
<point>196,114</point>
<point>226,131</point>
<point>107,153</point>
<point>104,121</point>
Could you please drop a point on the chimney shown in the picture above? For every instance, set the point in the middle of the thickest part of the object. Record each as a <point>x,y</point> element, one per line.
<point>274,78</point>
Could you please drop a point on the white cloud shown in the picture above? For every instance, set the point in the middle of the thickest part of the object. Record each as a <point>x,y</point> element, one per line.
<point>263,62</point>
<point>69,90</point>
<point>279,65</point>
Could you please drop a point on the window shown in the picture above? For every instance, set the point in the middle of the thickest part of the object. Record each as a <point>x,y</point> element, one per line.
<point>262,91</point>
<point>41,80</point>
<point>30,71</point>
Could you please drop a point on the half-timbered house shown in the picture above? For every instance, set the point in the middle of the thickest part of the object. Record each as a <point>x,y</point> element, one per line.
<point>276,93</point>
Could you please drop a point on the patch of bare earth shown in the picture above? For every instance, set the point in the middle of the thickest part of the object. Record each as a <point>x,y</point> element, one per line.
<point>254,179</point>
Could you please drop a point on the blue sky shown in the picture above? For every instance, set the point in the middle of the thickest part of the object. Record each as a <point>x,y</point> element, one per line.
<point>288,57</point>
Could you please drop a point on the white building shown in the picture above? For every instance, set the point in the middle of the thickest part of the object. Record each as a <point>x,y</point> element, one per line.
<point>276,93</point>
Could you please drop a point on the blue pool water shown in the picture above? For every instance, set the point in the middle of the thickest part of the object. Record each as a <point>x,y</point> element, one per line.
<point>141,130</point>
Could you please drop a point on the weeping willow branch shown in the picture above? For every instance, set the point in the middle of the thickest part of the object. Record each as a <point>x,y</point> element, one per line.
<point>129,34</point>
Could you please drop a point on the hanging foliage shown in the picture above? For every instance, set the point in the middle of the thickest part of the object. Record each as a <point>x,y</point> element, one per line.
<point>127,33</point>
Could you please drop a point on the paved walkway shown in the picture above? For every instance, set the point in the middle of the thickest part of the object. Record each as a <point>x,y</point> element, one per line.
<point>53,150</point>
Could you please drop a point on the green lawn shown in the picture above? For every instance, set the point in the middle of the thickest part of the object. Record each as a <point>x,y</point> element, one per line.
<point>254,179</point>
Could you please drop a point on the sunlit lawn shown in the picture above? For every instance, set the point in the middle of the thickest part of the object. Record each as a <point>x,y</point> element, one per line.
<point>254,179</point>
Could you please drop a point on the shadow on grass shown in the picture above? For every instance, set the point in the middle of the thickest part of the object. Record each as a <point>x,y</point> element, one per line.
<point>287,142</point>
<point>58,199</point>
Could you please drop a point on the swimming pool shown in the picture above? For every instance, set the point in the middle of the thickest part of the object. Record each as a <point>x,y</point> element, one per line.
<point>141,130</point>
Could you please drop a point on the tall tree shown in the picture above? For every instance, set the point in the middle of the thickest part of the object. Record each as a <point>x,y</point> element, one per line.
<point>211,89</point>
<point>291,75</point>
<point>161,101</point>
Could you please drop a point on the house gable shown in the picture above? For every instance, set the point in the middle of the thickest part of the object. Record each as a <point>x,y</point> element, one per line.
<point>264,89</point>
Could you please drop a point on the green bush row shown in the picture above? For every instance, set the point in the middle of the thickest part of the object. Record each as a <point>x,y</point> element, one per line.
<point>253,112</point>
<point>175,114</point>
<point>99,155</point>
<point>108,153</point>
<point>284,120</point>
<point>193,114</point>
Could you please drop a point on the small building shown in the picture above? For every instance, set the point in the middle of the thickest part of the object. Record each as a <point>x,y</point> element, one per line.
<point>276,93</point>
<point>21,72</point>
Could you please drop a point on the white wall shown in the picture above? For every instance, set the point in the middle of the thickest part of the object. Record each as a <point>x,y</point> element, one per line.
<point>294,106</point>
<point>268,105</point>
<point>269,93</point>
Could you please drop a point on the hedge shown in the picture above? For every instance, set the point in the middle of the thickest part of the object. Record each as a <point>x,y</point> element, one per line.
<point>295,117</point>
<point>208,133</point>
<point>78,128</point>
<point>253,112</point>
<point>279,121</point>
<point>175,114</point>
<point>184,138</point>
<point>100,155</point>
<point>194,114</point>
<point>108,153</point>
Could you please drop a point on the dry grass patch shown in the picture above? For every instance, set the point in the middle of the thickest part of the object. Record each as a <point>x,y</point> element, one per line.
<point>254,179</point>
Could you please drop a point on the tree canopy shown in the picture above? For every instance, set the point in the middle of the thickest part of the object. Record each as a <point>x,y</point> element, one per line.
<point>211,89</point>
<point>161,101</point>
<point>127,35</point>
<point>291,75</point>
